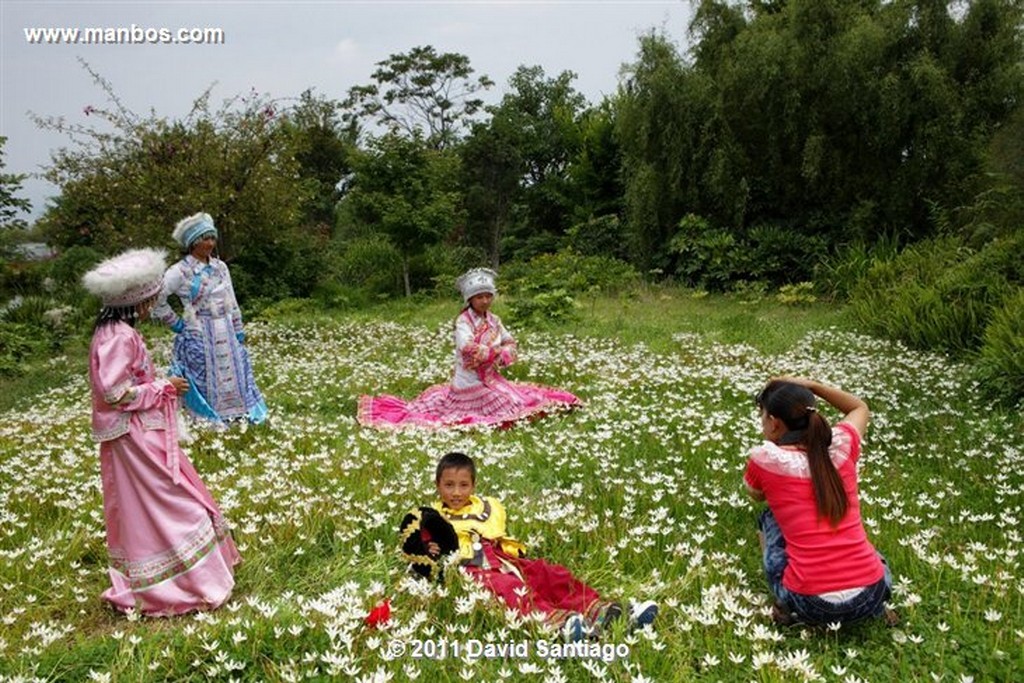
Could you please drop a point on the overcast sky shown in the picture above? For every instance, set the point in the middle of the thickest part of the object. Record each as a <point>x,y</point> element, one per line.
<point>283,48</point>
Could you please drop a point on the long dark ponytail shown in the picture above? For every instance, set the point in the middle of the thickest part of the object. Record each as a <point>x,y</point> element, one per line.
<point>796,406</point>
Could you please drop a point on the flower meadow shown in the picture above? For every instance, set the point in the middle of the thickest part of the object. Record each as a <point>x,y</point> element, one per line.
<point>639,493</point>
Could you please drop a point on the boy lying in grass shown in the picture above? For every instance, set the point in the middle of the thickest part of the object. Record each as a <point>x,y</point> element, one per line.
<point>474,528</point>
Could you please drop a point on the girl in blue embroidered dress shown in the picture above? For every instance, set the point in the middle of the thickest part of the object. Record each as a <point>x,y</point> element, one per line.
<point>208,346</point>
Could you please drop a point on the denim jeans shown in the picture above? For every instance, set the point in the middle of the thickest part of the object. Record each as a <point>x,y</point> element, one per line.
<point>811,609</point>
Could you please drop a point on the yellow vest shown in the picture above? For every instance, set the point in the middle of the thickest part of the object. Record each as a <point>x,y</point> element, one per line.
<point>481,518</point>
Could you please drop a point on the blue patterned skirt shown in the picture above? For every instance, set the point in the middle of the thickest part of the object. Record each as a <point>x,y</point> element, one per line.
<point>216,364</point>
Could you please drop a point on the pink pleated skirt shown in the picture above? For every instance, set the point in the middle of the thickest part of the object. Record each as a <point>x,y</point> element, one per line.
<point>499,402</point>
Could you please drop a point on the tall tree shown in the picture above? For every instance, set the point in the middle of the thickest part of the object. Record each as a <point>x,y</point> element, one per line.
<point>596,169</point>
<point>668,128</point>
<point>420,92</point>
<point>127,179</point>
<point>548,111</point>
<point>492,171</point>
<point>524,193</point>
<point>820,118</point>
<point>406,190</point>
<point>11,206</point>
<point>321,146</point>
<point>890,103</point>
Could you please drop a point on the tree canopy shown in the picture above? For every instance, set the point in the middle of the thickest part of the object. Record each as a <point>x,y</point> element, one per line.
<point>421,92</point>
<point>786,130</point>
<point>846,120</point>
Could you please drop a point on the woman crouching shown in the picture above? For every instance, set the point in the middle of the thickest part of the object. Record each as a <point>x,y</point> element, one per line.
<point>820,566</point>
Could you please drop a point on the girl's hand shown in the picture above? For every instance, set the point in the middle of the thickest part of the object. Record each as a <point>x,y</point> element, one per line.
<point>180,384</point>
<point>854,409</point>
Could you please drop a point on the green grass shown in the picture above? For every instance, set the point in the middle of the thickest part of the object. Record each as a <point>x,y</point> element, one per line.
<point>639,493</point>
<point>43,374</point>
<point>655,316</point>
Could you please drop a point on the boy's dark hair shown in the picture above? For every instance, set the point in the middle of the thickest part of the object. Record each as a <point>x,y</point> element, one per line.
<point>455,461</point>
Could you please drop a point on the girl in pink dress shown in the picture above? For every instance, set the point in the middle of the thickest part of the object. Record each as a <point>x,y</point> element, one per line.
<point>477,394</point>
<point>170,548</point>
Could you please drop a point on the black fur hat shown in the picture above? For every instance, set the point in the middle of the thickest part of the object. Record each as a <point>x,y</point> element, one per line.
<point>420,527</point>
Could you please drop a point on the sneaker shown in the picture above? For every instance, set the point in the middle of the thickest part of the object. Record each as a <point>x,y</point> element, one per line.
<point>641,614</point>
<point>781,616</point>
<point>609,615</point>
<point>575,628</point>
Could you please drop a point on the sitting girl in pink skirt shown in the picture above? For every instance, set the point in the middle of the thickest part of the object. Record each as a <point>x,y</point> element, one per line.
<point>477,394</point>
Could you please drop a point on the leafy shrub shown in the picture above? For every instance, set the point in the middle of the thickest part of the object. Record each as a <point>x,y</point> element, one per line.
<point>421,274</point>
<point>600,236</point>
<point>287,267</point>
<point>996,211</point>
<point>706,256</point>
<point>17,343</point>
<point>49,322</point>
<point>545,287</point>
<point>29,310</point>
<point>838,273</point>
<point>571,271</point>
<point>972,291</point>
<point>542,308</point>
<point>68,268</point>
<point>67,321</point>
<point>748,291</point>
<point>63,280</point>
<point>447,262</point>
<point>797,294</point>
<point>896,298</point>
<point>525,247</point>
<point>338,296</point>
<point>781,255</point>
<point>716,258</point>
<point>21,278</point>
<point>1000,363</point>
<point>938,294</point>
<point>247,289</point>
<point>999,259</point>
<point>288,309</point>
<point>372,263</point>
